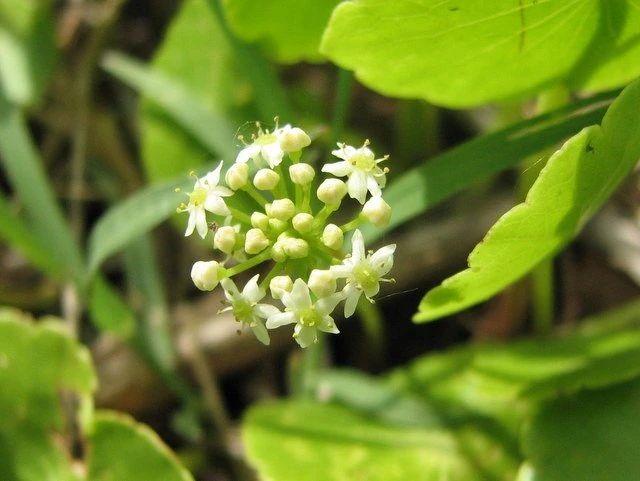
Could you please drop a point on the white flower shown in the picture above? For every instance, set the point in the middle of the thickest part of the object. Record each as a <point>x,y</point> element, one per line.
<point>377,211</point>
<point>293,139</point>
<point>308,316</point>
<point>265,147</point>
<point>207,195</point>
<point>246,307</point>
<point>361,167</point>
<point>363,273</point>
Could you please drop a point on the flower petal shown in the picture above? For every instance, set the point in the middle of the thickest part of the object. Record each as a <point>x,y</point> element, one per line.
<point>265,311</point>
<point>339,169</point>
<point>213,177</point>
<point>191,223</point>
<point>372,185</point>
<point>216,205</point>
<point>249,152</point>
<point>231,291</point>
<point>261,332</point>
<point>221,191</point>
<point>299,298</point>
<point>382,259</point>
<point>280,319</point>
<point>351,301</point>
<point>326,305</point>
<point>328,325</point>
<point>357,247</point>
<point>305,335</point>
<point>357,186</point>
<point>201,222</point>
<point>372,291</point>
<point>341,270</point>
<point>252,291</point>
<point>273,154</point>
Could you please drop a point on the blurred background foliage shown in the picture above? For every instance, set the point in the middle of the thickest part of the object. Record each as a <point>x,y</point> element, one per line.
<point>107,105</point>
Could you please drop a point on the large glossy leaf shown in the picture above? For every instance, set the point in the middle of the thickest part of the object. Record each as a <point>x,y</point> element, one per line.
<point>289,30</point>
<point>27,48</point>
<point>590,436</point>
<point>439,178</point>
<point>501,381</point>
<point>300,441</point>
<point>124,450</point>
<point>22,163</point>
<point>37,362</point>
<point>467,53</point>
<point>576,181</point>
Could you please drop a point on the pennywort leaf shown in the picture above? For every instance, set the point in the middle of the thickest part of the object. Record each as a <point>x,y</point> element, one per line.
<point>576,181</point>
<point>468,53</point>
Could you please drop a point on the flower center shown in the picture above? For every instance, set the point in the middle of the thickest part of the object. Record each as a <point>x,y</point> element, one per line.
<point>310,317</point>
<point>198,196</point>
<point>266,139</point>
<point>243,311</point>
<point>363,161</point>
<point>366,276</point>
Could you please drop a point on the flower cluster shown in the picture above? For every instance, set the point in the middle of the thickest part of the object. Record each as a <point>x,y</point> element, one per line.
<point>267,213</point>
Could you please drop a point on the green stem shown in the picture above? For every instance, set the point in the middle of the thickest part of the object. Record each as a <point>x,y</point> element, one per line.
<point>248,264</point>
<point>255,195</point>
<point>324,214</point>
<point>240,216</point>
<point>351,225</point>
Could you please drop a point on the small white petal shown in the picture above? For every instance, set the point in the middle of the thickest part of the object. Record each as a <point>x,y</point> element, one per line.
<point>216,205</point>
<point>265,311</point>
<point>231,292</point>
<point>261,333</point>
<point>357,186</point>
<point>372,185</point>
<point>351,301</point>
<point>221,191</point>
<point>298,298</point>
<point>372,291</point>
<point>339,169</point>
<point>201,222</point>
<point>252,291</point>
<point>305,336</point>
<point>382,259</point>
<point>191,223</point>
<point>328,325</point>
<point>213,177</point>
<point>340,271</point>
<point>280,319</point>
<point>273,154</point>
<point>357,247</point>
<point>326,305</point>
<point>249,152</point>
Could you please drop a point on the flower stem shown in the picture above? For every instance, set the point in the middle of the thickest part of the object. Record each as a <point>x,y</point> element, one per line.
<point>255,195</point>
<point>325,213</point>
<point>240,216</point>
<point>351,225</point>
<point>248,264</point>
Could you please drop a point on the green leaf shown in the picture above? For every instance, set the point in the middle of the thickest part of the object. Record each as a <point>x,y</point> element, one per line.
<point>439,178</point>
<point>590,436</point>
<point>124,450</point>
<point>27,49</point>
<point>299,441</point>
<point>500,381</point>
<point>36,363</point>
<point>289,30</point>
<point>573,185</point>
<point>468,53</point>
<point>22,163</point>
<point>197,117</point>
<point>134,217</point>
<point>108,311</point>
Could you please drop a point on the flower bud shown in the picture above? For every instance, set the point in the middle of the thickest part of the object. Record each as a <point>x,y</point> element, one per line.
<point>303,222</point>
<point>294,139</point>
<point>280,285</point>
<point>225,239</point>
<point>331,191</point>
<point>260,220</point>
<point>322,283</point>
<point>332,237</point>
<point>277,252</point>
<point>282,209</point>
<point>278,226</point>
<point>295,248</point>
<point>255,241</point>
<point>205,275</point>
<point>266,179</point>
<point>301,173</point>
<point>377,211</point>
<point>237,176</point>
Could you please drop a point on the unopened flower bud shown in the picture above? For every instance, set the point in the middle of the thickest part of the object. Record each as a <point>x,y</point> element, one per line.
<point>277,252</point>
<point>302,222</point>
<point>301,173</point>
<point>331,191</point>
<point>237,176</point>
<point>280,285</point>
<point>332,237</point>
<point>225,239</point>
<point>266,179</point>
<point>294,140</point>
<point>255,241</point>
<point>278,226</point>
<point>260,220</point>
<point>205,275</point>
<point>377,211</point>
<point>282,209</point>
<point>322,283</point>
<point>295,248</point>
